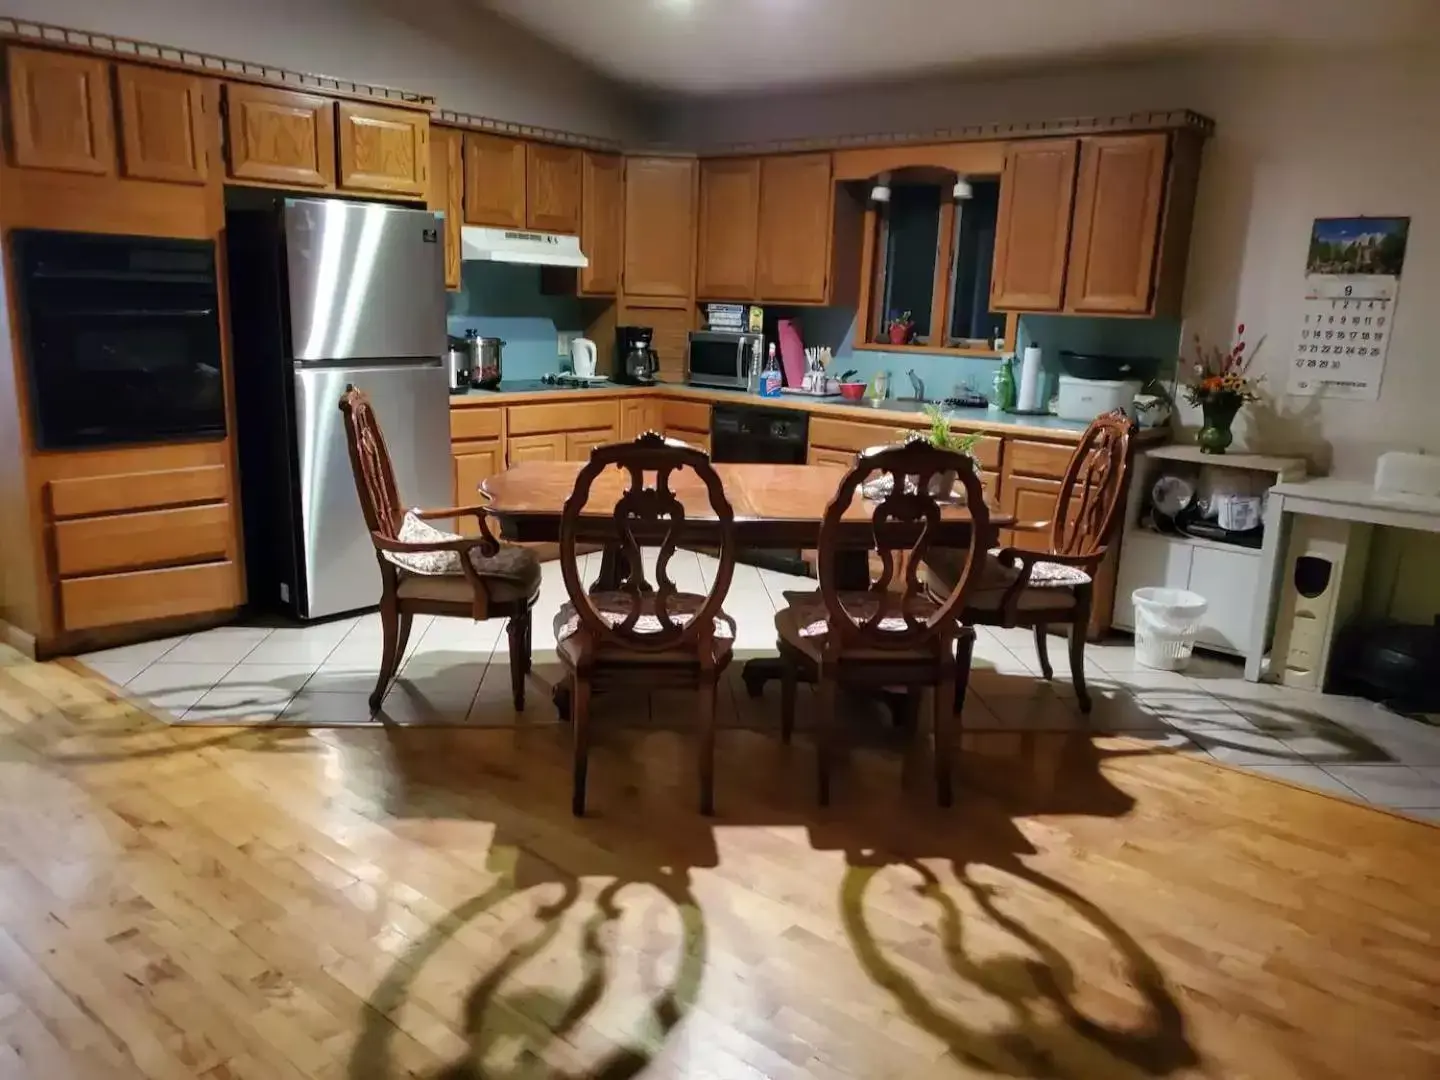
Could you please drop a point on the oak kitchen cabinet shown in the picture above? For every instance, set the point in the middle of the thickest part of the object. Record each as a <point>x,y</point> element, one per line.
<point>447,193</point>
<point>494,181</point>
<point>382,150</point>
<point>279,137</point>
<point>660,215</point>
<point>1096,225</point>
<point>60,112</point>
<point>797,230</point>
<point>728,229</point>
<point>1032,229</point>
<point>602,198</point>
<point>553,177</point>
<point>166,131</point>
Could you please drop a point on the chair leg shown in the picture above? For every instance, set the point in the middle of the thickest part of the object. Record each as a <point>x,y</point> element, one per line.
<point>402,641</point>
<point>529,638</point>
<point>1078,629</point>
<point>516,632</point>
<point>580,733</point>
<point>824,734</point>
<point>941,719</point>
<point>789,677</point>
<point>707,746</point>
<point>390,654</point>
<point>1042,649</point>
<point>964,657</point>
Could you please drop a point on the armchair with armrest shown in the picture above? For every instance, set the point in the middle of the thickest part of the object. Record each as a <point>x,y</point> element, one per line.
<point>426,571</point>
<point>1039,589</point>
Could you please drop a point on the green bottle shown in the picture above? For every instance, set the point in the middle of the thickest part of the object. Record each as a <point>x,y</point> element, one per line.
<point>1005,385</point>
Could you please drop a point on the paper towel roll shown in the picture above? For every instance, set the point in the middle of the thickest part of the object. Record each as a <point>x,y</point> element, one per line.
<point>1028,397</point>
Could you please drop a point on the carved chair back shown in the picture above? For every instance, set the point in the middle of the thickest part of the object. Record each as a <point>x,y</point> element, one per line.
<point>1087,510</point>
<point>370,463</point>
<point>650,512</point>
<point>905,520</point>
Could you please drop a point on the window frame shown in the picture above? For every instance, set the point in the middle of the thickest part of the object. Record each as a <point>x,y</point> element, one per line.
<point>870,316</point>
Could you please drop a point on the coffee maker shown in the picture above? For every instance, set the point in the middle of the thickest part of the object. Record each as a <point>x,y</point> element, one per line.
<point>635,358</point>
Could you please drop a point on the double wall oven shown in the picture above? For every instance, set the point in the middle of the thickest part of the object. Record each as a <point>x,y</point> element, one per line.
<point>121,336</point>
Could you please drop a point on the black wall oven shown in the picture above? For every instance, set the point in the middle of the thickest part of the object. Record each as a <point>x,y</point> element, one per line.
<point>121,337</point>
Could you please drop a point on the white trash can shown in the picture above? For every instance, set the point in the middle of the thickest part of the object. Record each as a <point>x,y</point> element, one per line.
<point>1167,622</point>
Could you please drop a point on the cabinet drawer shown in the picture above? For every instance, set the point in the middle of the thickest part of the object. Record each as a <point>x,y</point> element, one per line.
<point>699,439</point>
<point>90,495</point>
<point>689,415</point>
<point>569,416</point>
<point>1038,459</point>
<point>843,459</point>
<point>987,452</point>
<point>472,423</point>
<point>152,538</point>
<point>118,599</point>
<point>851,434</point>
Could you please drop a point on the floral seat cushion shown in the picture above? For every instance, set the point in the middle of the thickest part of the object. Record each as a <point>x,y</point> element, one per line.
<point>615,607</point>
<point>516,566</point>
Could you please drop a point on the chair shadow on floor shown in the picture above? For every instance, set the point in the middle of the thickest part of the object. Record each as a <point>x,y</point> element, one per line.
<point>644,835</point>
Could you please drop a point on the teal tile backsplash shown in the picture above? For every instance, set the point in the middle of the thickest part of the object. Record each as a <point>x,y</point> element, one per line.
<point>504,300</point>
<point>941,374</point>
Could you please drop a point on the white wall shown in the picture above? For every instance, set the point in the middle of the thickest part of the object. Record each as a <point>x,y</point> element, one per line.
<point>467,58</point>
<point>1296,138</point>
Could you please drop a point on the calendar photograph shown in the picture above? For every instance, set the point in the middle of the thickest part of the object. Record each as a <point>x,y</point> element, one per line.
<point>1351,287</point>
<point>1358,246</point>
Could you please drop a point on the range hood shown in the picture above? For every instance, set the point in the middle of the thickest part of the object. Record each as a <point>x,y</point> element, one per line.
<point>514,246</point>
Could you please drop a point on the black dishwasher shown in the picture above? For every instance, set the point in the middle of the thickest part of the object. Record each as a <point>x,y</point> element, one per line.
<point>743,433</point>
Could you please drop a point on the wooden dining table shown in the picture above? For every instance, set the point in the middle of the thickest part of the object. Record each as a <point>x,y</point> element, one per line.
<point>775,506</point>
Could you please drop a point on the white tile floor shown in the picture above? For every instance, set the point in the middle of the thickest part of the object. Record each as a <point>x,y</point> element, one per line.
<point>457,672</point>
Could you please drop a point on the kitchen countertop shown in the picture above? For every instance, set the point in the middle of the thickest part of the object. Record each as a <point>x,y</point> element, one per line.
<point>906,412</point>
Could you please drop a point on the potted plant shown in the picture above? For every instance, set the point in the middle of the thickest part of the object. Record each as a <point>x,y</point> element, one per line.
<point>942,485</point>
<point>1220,385</point>
<point>900,328</point>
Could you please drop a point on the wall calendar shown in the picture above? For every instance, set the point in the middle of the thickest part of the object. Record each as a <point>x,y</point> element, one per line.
<point>1352,284</point>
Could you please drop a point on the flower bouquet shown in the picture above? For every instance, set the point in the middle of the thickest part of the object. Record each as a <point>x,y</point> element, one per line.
<point>1220,384</point>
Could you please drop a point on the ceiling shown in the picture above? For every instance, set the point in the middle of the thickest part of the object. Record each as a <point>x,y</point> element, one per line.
<point>724,46</point>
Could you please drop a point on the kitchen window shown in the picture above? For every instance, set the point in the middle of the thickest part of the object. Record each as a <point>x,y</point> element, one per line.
<point>930,259</point>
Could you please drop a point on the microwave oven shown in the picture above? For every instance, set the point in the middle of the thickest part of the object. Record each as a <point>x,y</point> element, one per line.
<point>722,359</point>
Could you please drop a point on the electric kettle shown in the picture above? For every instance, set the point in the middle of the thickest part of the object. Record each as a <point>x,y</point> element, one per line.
<point>582,357</point>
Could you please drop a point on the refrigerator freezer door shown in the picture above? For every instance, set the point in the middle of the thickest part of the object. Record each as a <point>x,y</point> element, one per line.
<point>367,282</point>
<point>413,406</point>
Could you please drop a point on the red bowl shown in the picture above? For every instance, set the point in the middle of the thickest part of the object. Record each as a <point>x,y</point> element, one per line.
<point>852,391</point>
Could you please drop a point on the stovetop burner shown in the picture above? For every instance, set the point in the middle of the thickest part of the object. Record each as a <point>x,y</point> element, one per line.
<point>572,381</point>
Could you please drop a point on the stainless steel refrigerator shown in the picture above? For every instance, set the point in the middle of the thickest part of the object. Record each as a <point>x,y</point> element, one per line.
<point>325,294</point>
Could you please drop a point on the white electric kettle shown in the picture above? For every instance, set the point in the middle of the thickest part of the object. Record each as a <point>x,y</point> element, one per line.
<point>582,357</point>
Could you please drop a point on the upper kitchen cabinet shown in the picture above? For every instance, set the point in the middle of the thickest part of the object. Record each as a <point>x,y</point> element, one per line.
<point>447,193</point>
<point>798,227</point>
<point>660,216</point>
<point>1113,243</point>
<point>279,137</point>
<point>494,181</point>
<point>728,229</point>
<point>60,112</point>
<point>552,188</point>
<point>602,196</point>
<point>165,132</point>
<point>1098,225</point>
<point>1032,232</point>
<point>383,150</point>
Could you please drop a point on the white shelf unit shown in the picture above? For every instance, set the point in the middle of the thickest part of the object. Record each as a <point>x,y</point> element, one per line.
<point>1227,575</point>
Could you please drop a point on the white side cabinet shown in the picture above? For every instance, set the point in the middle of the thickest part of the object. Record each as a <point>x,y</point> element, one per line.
<point>1227,576</point>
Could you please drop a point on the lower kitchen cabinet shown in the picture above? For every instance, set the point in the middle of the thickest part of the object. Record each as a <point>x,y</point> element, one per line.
<point>524,448</point>
<point>638,416</point>
<point>474,464</point>
<point>578,444</point>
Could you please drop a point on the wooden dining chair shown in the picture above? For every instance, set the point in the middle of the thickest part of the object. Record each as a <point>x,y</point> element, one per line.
<point>1040,589</point>
<point>427,571</point>
<point>884,637</point>
<point>638,637</point>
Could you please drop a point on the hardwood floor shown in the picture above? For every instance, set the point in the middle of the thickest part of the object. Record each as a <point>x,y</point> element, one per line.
<point>368,904</point>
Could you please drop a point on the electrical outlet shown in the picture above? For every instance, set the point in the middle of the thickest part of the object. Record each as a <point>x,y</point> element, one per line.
<point>562,343</point>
